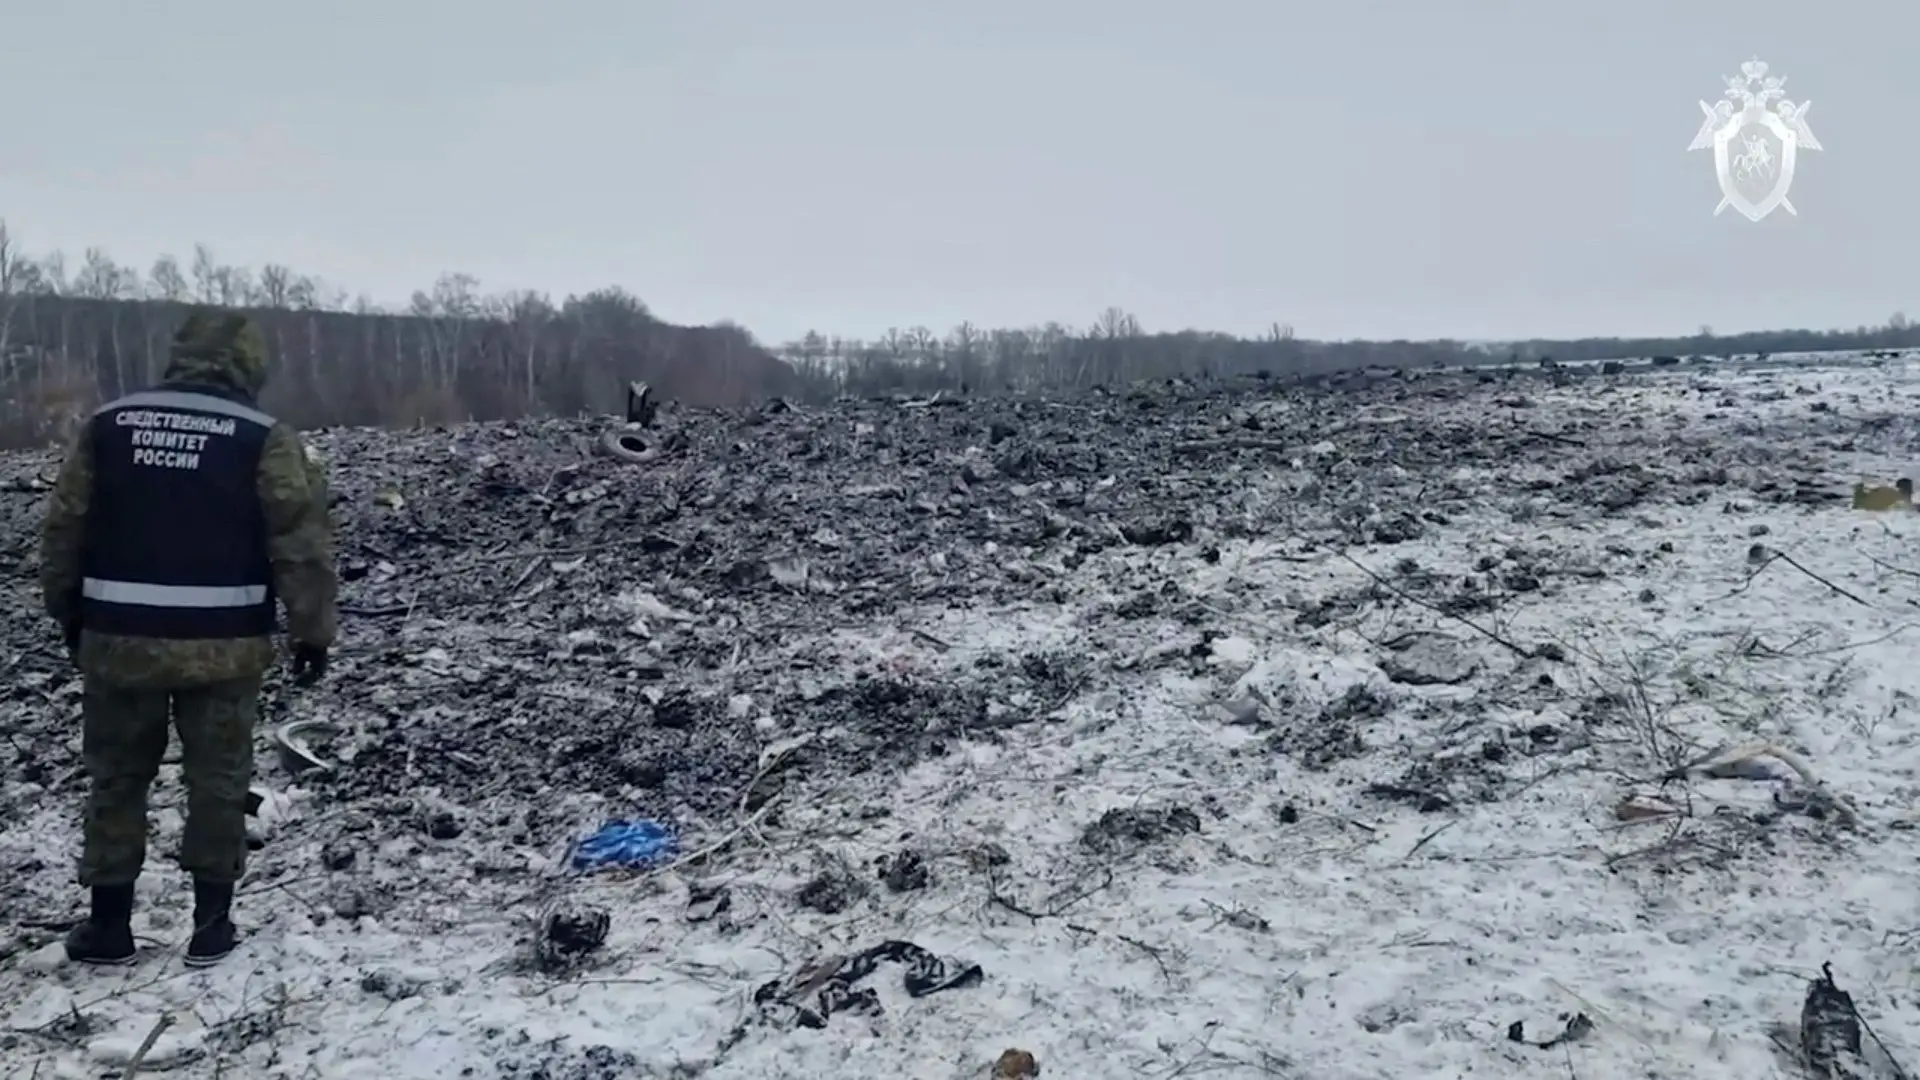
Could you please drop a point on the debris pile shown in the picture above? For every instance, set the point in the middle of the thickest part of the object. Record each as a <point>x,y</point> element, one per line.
<point>527,616</point>
<point>589,647</point>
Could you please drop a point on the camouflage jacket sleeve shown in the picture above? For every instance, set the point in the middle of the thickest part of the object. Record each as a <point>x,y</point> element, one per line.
<point>62,532</point>
<point>299,538</point>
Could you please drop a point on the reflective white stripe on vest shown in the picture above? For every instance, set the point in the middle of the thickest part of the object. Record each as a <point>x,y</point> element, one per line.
<point>173,596</point>
<point>182,399</point>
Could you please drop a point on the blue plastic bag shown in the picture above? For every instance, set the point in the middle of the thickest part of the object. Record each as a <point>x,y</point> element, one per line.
<point>631,845</point>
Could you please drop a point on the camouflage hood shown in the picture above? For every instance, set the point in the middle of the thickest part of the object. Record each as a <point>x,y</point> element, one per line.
<point>220,350</point>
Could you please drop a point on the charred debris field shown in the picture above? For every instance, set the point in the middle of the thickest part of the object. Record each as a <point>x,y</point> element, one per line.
<point>1072,665</point>
<point>529,618</point>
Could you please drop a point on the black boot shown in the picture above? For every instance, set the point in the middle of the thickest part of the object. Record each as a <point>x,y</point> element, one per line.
<point>213,933</point>
<point>107,935</point>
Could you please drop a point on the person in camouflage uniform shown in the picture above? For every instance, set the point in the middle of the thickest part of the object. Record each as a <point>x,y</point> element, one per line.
<point>270,496</point>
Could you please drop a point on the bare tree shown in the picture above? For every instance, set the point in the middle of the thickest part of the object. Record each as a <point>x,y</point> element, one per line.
<point>303,292</point>
<point>453,304</point>
<point>206,275</point>
<point>1115,324</point>
<point>276,286</point>
<point>100,278</point>
<point>960,349</point>
<point>528,315</point>
<point>166,282</point>
<point>13,279</point>
<point>11,262</point>
<point>233,287</point>
<point>53,271</point>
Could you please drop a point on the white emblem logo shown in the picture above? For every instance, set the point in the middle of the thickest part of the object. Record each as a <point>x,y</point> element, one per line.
<point>1756,135</point>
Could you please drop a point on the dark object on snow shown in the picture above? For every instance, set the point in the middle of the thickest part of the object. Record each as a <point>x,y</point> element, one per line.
<point>1574,1028</point>
<point>707,901</point>
<point>1426,802</point>
<point>831,891</point>
<point>1429,660</point>
<point>291,741</point>
<point>1128,828</point>
<point>1830,1031</point>
<point>628,447</point>
<point>1015,1065</point>
<point>641,408</point>
<point>831,985</point>
<point>1173,529</point>
<point>569,933</point>
<point>904,871</point>
<point>336,855</point>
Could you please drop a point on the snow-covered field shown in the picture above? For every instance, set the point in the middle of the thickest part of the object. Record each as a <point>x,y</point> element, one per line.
<point>1363,843</point>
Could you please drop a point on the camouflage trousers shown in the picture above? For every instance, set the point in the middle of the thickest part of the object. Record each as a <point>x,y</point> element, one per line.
<point>123,739</point>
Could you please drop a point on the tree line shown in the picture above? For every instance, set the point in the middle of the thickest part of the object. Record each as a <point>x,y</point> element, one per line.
<point>1115,349</point>
<point>74,333</point>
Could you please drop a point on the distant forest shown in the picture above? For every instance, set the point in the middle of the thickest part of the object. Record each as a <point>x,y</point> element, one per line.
<point>77,332</point>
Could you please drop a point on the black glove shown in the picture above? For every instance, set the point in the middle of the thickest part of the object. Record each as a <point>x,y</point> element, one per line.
<point>309,663</point>
<point>71,634</point>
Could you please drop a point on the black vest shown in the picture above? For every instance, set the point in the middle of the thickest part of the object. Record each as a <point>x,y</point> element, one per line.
<point>176,541</point>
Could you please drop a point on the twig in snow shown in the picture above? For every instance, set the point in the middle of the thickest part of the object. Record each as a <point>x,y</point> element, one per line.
<point>1672,845</point>
<point>1759,557</point>
<point>1561,439</point>
<point>1056,905</point>
<point>723,841</point>
<point>1892,568</point>
<point>80,1023</point>
<point>1752,645</point>
<point>1518,650</point>
<point>532,568</point>
<point>140,1055</point>
<point>1848,646</point>
<point>1158,954</point>
<point>45,1035</point>
<point>1237,917</point>
<point>1764,557</point>
<point>1206,1053</point>
<point>1789,560</point>
<point>1431,833</point>
<point>1901,1072</point>
<point>931,640</point>
<point>750,824</point>
<point>1649,723</point>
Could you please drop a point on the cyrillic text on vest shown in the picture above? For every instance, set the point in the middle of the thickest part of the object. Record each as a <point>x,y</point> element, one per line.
<point>171,440</point>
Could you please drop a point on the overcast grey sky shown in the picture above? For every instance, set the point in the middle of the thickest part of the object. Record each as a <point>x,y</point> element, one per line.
<point>1363,168</point>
